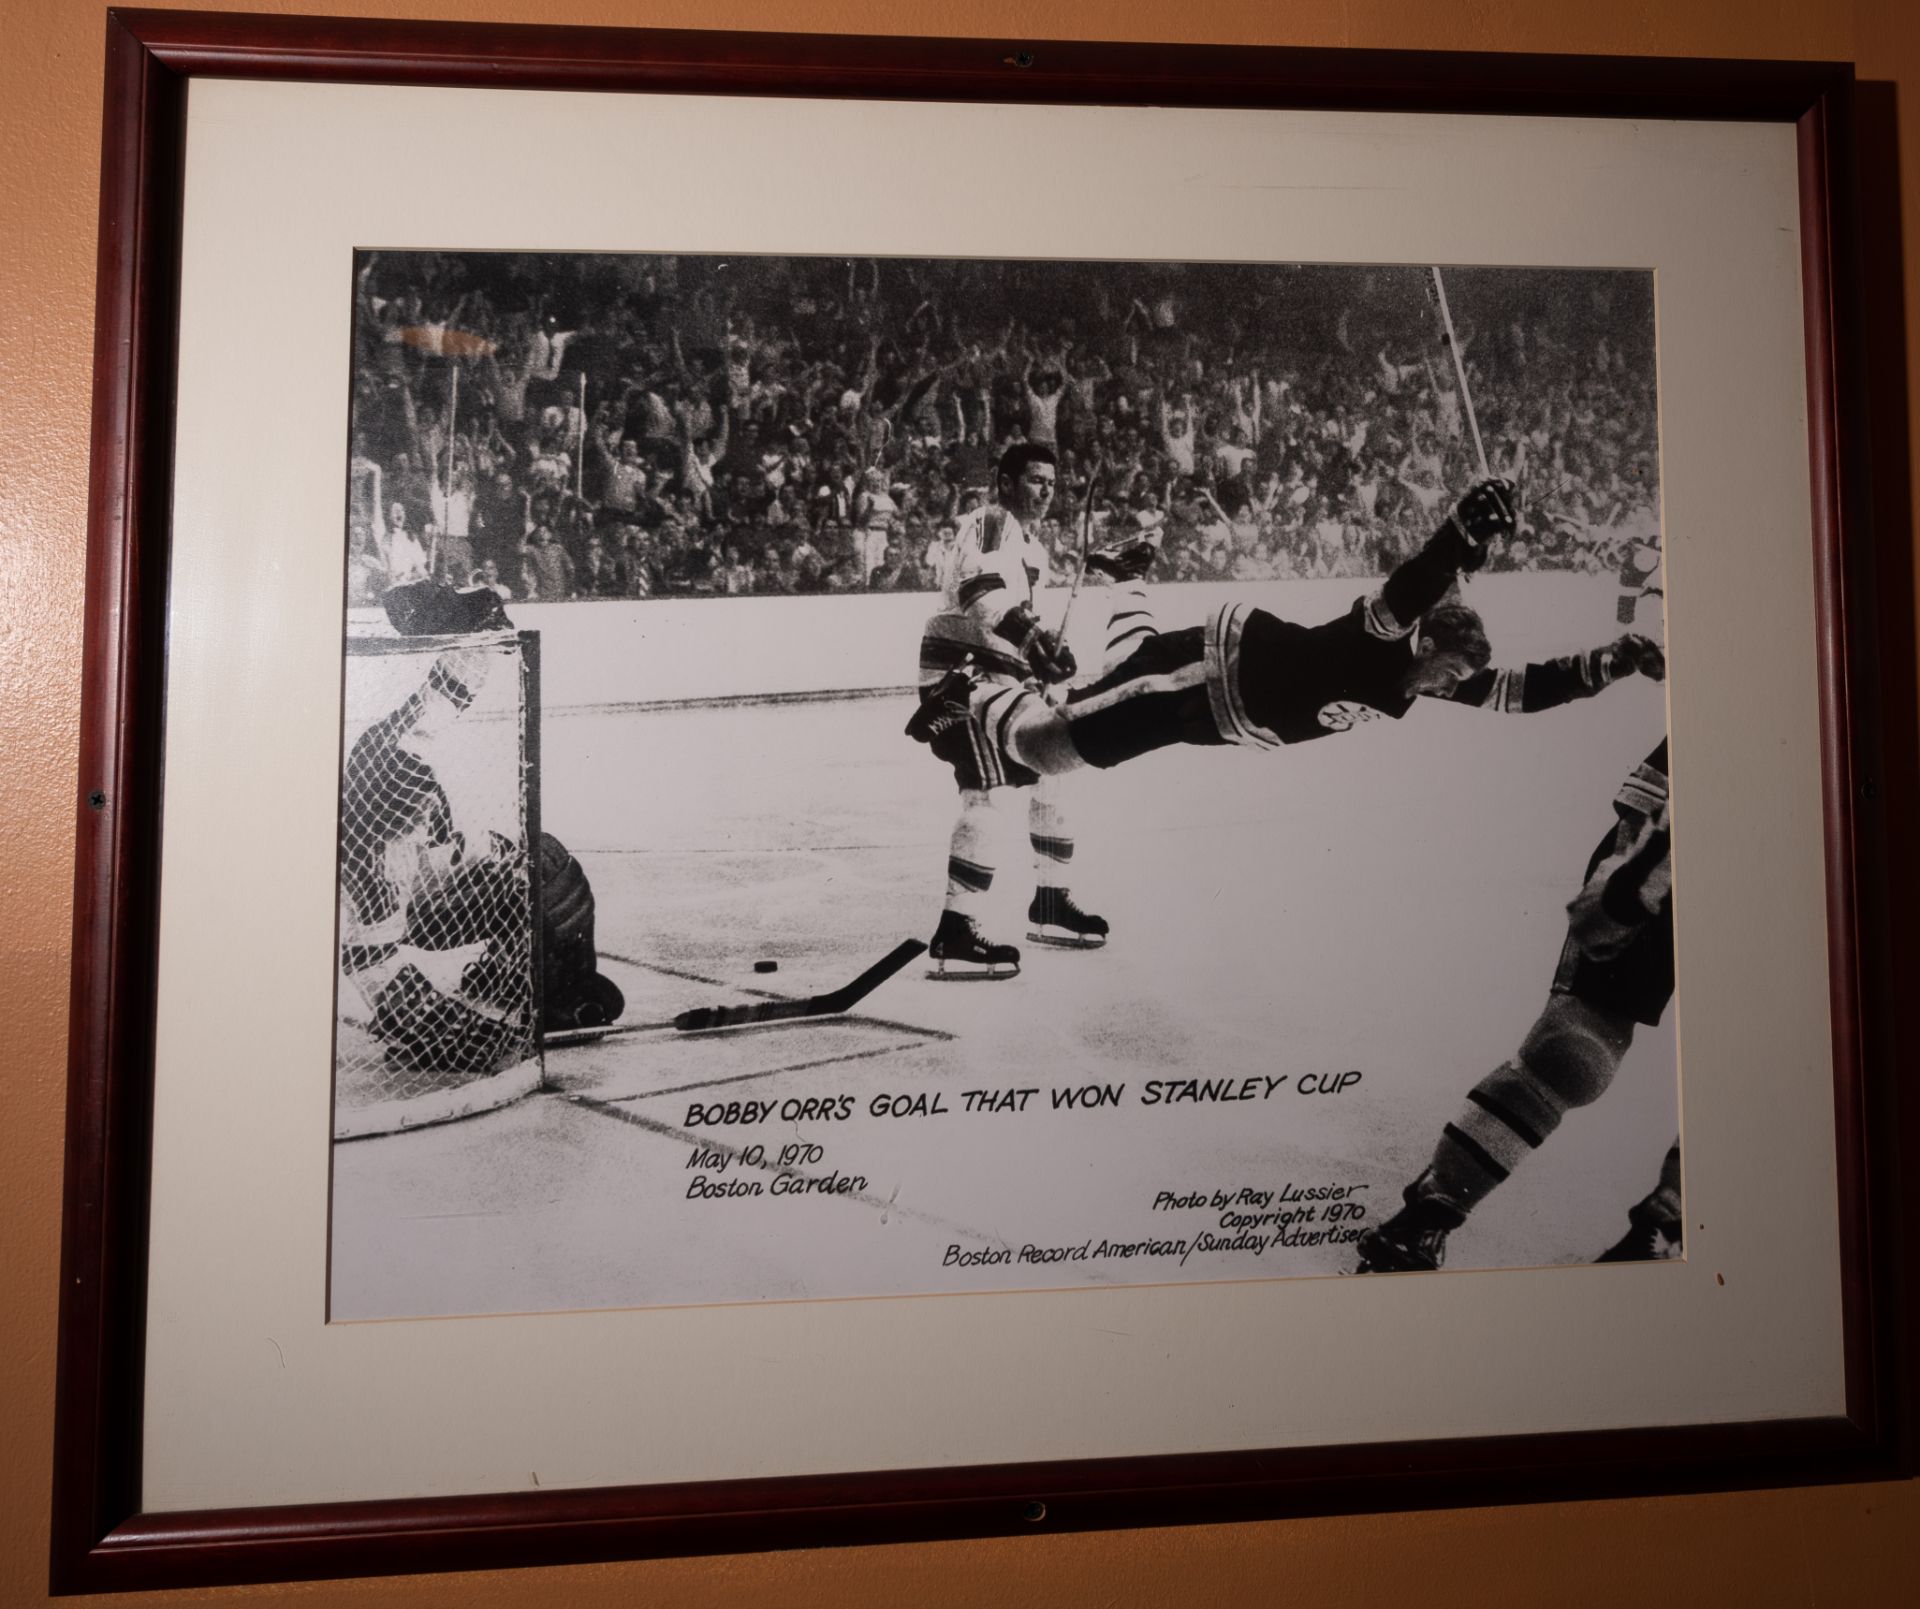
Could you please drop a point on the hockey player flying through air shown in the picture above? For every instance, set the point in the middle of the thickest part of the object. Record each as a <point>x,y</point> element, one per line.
<point>1249,677</point>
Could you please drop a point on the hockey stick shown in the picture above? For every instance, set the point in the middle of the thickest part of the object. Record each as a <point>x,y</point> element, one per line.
<point>1460,373</point>
<point>1086,541</point>
<point>818,1005</point>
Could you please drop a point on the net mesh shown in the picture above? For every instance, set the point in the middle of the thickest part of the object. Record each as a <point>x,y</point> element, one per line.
<point>436,1008</point>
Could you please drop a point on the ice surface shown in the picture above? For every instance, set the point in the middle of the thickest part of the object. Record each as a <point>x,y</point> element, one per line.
<point>1390,901</point>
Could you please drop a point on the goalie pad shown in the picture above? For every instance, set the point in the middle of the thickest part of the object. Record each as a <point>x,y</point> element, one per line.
<point>425,1028</point>
<point>574,992</point>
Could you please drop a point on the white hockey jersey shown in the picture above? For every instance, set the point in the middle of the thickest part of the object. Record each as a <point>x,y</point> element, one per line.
<point>994,566</point>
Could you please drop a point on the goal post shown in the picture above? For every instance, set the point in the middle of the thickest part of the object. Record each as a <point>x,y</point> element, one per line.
<point>437,998</point>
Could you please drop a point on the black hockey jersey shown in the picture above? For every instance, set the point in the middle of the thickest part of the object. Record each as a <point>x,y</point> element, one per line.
<point>1293,683</point>
<point>1619,949</point>
<point>1250,677</point>
<point>1629,879</point>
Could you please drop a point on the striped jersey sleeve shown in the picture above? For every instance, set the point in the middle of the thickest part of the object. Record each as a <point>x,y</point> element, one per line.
<point>1544,685</point>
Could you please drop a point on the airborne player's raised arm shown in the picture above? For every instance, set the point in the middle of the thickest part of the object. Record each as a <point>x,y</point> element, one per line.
<point>1459,547</point>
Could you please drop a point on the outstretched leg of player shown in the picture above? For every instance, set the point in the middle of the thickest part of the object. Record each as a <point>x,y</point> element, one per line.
<point>1653,1231</point>
<point>1158,696</point>
<point>958,948</point>
<point>1566,1061</point>
<point>1056,919</point>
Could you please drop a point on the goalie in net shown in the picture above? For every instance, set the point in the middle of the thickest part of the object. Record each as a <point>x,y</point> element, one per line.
<point>437,998</point>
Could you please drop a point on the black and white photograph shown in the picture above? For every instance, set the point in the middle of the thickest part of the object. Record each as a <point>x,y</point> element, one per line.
<point>884,776</point>
<point>986,843</point>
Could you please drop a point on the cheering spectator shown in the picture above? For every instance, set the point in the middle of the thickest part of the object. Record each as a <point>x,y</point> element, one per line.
<point>800,425</point>
<point>546,568</point>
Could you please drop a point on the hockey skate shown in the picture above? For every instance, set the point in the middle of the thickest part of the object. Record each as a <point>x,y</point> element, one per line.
<point>1414,1239</point>
<point>1653,1232</point>
<point>1126,559</point>
<point>1060,923</point>
<point>945,709</point>
<point>960,953</point>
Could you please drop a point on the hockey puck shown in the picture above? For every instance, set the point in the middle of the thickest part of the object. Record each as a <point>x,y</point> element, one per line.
<point>766,966</point>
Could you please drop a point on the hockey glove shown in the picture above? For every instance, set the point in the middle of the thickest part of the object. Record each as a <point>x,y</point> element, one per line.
<point>1633,652</point>
<point>1050,659</point>
<point>1486,512</point>
<point>1128,561</point>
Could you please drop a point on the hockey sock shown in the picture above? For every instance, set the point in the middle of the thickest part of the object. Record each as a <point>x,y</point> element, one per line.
<point>1156,696</point>
<point>1567,1060</point>
<point>1508,1113</point>
<point>969,868</point>
<point>1052,843</point>
<point>1129,622</point>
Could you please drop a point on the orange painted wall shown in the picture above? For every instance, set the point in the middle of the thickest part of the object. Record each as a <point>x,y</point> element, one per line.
<point>1847,1545</point>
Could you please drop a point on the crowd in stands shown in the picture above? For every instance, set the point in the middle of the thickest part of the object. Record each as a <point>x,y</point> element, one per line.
<point>644,426</point>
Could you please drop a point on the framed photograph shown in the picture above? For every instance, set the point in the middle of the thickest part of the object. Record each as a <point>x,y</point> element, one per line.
<point>849,789</point>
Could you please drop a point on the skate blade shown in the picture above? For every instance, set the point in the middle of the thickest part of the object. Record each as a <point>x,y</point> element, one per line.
<point>1066,941</point>
<point>983,975</point>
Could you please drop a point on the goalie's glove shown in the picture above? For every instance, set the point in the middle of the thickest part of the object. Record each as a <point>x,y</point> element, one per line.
<point>1634,652</point>
<point>1485,512</point>
<point>1050,659</point>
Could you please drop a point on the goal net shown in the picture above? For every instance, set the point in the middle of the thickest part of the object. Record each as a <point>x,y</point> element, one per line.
<point>437,1004</point>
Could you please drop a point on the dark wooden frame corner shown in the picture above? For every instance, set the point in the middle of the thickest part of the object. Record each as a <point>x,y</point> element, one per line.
<point>103,1541</point>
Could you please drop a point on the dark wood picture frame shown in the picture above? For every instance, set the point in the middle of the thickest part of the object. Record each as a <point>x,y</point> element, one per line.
<point>101,1538</point>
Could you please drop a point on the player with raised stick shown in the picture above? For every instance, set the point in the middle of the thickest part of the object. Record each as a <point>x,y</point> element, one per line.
<point>988,629</point>
<point>1616,970</point>
<point>1249,677</point>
